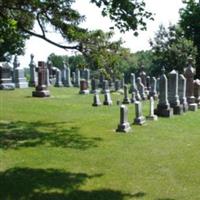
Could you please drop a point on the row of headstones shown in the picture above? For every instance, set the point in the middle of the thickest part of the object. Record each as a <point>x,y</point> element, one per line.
<point>12,78</point>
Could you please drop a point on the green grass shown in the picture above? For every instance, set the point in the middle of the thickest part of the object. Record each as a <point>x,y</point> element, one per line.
<point>62,148</point>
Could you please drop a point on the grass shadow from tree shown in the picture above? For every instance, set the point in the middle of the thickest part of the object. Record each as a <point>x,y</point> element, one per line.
<point>31,134</point>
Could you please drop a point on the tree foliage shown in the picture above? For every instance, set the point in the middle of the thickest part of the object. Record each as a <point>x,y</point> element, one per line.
<point>171,49</point>
<point>190,23</point>
<point>59,14</point>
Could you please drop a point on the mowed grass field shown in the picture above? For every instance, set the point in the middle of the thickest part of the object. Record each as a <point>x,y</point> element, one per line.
<point>62,148</point>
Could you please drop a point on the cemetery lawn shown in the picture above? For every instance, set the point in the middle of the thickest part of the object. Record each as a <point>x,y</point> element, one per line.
<point>62,148</point>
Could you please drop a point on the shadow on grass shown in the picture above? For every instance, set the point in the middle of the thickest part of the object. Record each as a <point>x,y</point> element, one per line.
<point>30,134</point>
<point>51,184</point>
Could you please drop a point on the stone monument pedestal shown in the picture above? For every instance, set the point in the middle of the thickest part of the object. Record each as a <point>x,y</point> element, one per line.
<point>41,92</point>
<point>164,111</point>
<point>20,80</point>
<point>193,107</point>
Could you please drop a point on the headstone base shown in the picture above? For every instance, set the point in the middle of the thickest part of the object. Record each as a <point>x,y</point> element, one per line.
<point>178,110</point>
<point>193,107</point>
<point>42,93</point>
<point>58,85</point>
<point>126,101</point>
<point>152,118</point>
<point>22,85</point>
<point>84,92</point>
<point>140,120</point>
<point>105,91</point>
<point>185,107</point>
<point>107,103</point>
<point>125,127</point>
<point>164,111</point>
<point>7,86</point>
<point>94,91</point>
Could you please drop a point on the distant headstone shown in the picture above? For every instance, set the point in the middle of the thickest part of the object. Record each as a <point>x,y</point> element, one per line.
<point>74,78</point>
<point>94,86</point>
<point>66,76</point>
<point>117,85</point>
<point>96,100</point>
<point>173,93</point>
<point>58,79</point>
<point>163,107</point>
<point>107,99</point>
<point>133,87</point>
<point>6,77</point>
<point>101,79</point>
<point>133,97</point>
<point>77,83</point>
<point>87,75</point>
<point>153,92</point>
<point>33,74</point>
<point>126,99</point>
<point>139,118</point>
<point>19,78</point>
<point>148,81</point>
<point>41,89</point>
<point>84,87</point>
<point>141,89</point>
<point>143,76</point>
<point>124,125</point>
<point>189,73</point>
<point>197,91</point>
<point>105,87</point>
<point>152,116</point>
<point>182,92</point>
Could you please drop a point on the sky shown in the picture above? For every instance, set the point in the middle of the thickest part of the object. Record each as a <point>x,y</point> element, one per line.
<point>165,12</point>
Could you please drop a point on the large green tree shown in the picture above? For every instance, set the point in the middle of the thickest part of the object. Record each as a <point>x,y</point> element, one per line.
<point>190,23</point>
<point>171,49</point>
<point>59,14</point>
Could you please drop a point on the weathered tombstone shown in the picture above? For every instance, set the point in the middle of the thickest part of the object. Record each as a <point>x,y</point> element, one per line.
<point>66,76</point>
<point>152,116</point>
<point>139,118</point>
<point>33,75</point>
<point>58,79</point>
<point>133,97</point>
<point>124,125</point>
<point>158,84</point>
<point>19,78</point>
<point>197,91</point>
<point>133,87</point>
<point>141,89</point>
<point>107,99</point>
<point>105,87</point>
<point>6,77</point>
<point>41,89</point>
<point>96,100</point>
<point>143,76</point>
<point>137,95</point>
<point>101,79</point>
<point>182,92</point>
<point>173,93</point>
<point>126,99</point>
<point>189,73</point>
<point>94,86</point>
<point>163,107</point>
<point>148,81</point>
<point>87,75</point>
<point>77,83</point>
<point>153,92</point>
<point>47,77</point>
<point>74,78</point>
<point>117,85</point>
<point>84,87</point>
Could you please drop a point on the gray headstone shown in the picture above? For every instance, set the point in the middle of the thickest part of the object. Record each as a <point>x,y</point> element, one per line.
<point>94,86</point>
<point>189,75</point>
<point>139,118</point>
<point>126,99</point>
<point>105,87</point>
<point>77,83</point>
<point>33,75</point>
<point>133,87</point>
<point>141,89</point>
<point>197,91</point>
<point>124,125</point>
<point>96,100</point>
<point>153,88</point>
<point>107,99</point>
<point>152,116</point>
<point>163,107</point>
<point>173,93</point>
<point>133,97</point>
<point>6,77</point>
<point>182,92</point>
<point>74,78</point>
<point>20,80</point>
<point>58,79</point>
